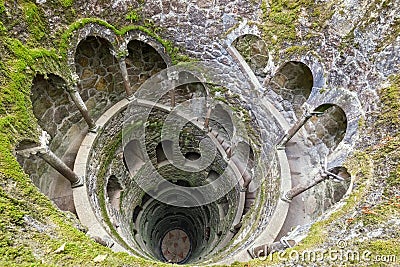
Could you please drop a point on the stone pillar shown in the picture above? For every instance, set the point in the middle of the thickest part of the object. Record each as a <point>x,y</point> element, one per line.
<point>297,190</point>
<point>173,77</point>
<point>172,95</point>
<point>76,97</point>
<point>43,151</point>
<point>324,174</point>
<point>125,77</point>
<point>47,155</point>
<point>207,119</point>
<point>295,128</point>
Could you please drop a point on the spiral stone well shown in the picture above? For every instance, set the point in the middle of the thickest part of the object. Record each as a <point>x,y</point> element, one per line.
<point>189,163</point>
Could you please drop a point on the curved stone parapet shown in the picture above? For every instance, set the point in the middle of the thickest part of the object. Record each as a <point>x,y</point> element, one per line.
<point>84,208</point>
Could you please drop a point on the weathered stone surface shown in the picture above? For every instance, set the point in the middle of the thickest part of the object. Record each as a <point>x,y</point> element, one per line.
<point>60,113</point>
<point>350,58</point>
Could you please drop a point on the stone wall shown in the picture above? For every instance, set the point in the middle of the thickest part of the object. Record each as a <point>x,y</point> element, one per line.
<point>292,83</point>
<point>58,116</point>
<point>255,52</point>
<point>100,80</point>
<point>142,62</point>
<point>99,175</point>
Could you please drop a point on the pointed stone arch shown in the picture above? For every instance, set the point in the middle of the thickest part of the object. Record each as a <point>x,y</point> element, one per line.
<point>254,51</point>
<point>327,129</point>
<point>100,82</point>
<point>293,82</point>
<point>142,62</point>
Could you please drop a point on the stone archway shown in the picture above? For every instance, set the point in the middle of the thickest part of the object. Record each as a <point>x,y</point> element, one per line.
<point>133,156</point>
<point>100,81</point>
<point>328,129</point>
<point>58,115</point>
<point>142,62</point>
<point>114,190</point>
<point>164,151</point>
<point>293,82</point>
<point>254,51</point>
<point>52,105</point>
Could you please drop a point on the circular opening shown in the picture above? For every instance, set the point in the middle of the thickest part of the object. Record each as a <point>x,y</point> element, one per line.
<point>175,246</point>
<point>192,156</point>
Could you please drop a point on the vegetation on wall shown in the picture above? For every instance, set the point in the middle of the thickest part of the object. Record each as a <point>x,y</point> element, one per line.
<point>29,221</point>
<point>66,3</point>
<point>280,19</point>
<point>65,37</point>
<point>133,15</point>
<point>32,230</point>
<point>34,20</point>
<point>375,169</point>
<point>2,7</point>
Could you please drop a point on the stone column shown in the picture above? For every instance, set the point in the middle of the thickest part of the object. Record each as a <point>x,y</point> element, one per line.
<point>47,155</point>
<point>125,77</point>
<point>297,190</point>
<point>43,151</point>
<point>173,77</point>
<point>76,97</point>
<point>207,119</point>
<point>172,95</point>
<point>295,128</point>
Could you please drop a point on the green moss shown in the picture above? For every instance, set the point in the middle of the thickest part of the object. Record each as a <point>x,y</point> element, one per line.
<point>66,3</point>
<point>280,19</point>
<point>234,27</point>
<point>108,154</point>
<point>33,17</point>
<point>66,35</point>
<point>386,152</point>
<point>382,247</point>
<point>14,95</point>
<point>133,15</point>
<point>394,177</point>
<point>360,165</point>
<point>18,66</point>
<point>214,89</point>
<point>390,99</point>
<point>369,18</point>
<point>2,7</point>
<point>292,50</point>
<point>11,212</point>
<point>383,212</point>
<point>3,29</point>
